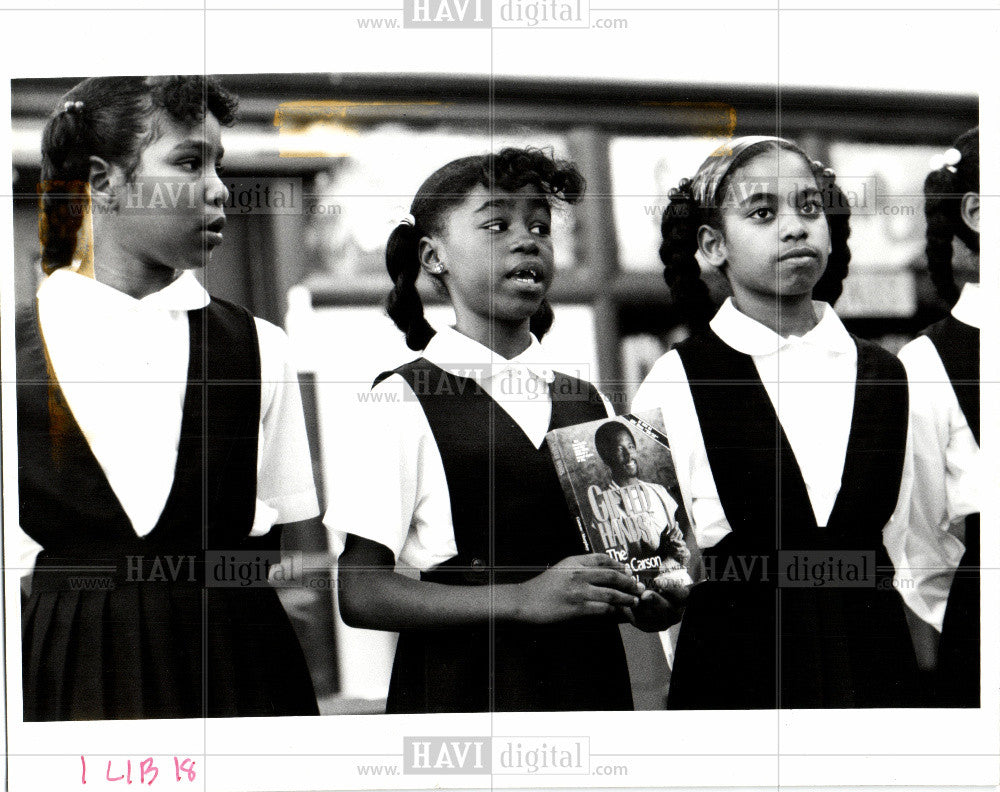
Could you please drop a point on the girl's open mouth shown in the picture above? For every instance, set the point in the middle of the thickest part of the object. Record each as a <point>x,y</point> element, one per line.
<point>527,275</point>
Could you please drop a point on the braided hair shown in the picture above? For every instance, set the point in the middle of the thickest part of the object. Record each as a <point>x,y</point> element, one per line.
<point>509,169</point>
<point>112,118</point>
<point>944,189</point>
<point>693,204</point>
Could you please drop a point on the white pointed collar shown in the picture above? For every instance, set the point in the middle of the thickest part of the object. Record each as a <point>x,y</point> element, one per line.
<point>464,357</point>
<point>969,308</point>
<point>183,294</point>
<point>750,337</point>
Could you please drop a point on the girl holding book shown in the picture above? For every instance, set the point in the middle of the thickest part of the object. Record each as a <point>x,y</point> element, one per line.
<point>508,612</point>
<point>160,431</point>
<point>943,364</point>
<point>790,439</point>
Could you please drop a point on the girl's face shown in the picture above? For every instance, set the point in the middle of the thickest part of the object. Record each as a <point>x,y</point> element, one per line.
<point>496,253</point>
<point>171,213</point>
<point>774,240</point>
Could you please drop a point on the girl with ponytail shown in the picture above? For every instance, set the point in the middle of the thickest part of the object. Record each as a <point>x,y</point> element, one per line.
<point>510,170</point>
<point>943,362</point>
<point>470,497</point>
<point>158,435</point>
<point>773,410</point>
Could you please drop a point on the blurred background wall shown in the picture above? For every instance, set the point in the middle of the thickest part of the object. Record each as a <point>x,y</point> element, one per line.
<point>346,154</point>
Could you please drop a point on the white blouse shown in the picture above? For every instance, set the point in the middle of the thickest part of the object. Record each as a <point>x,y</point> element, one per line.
<point>947,469</point>
<point>122,366</point>
<point>390,450</point>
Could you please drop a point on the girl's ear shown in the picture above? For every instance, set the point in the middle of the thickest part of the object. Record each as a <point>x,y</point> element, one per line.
<point>712,246</point>
<point>103,180</point>
<point>970,210</point>
<point>430,254</point>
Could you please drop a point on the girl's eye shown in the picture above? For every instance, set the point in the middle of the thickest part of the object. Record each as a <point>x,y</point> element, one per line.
<point>762,213</point>
<point>541,229</point>
<point>811,207</point>
<point>189,164</point>
<point>496,226</point>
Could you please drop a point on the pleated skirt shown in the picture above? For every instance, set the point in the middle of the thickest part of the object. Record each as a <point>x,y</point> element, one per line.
<point>752,646</point>
<point>511,668</point>
<point>161,650</point>
<point>958,654</point>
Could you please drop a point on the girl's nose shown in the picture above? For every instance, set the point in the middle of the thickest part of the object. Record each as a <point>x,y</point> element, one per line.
<point>216,192</point>
<point>791,225</point>
<point>525,243</point>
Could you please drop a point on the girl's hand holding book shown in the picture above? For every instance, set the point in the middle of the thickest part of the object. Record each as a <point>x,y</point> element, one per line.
<point>657,611</point>
<point>584,585</point>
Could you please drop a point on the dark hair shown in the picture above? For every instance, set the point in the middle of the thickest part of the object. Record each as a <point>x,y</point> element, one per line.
<point>694,204</point>
<point>509,169</point>
<point>112,118</point>
<point>605,436</point>
<point>944,189</point>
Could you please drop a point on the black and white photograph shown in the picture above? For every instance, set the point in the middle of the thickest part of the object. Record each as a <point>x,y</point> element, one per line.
<point>500,394</point>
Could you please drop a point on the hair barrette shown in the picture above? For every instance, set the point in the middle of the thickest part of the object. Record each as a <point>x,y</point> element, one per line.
<point>682,190</point>
<point>951,158</point>
<point>70,107</point>
<point>948,160</point>
<point>407,219</point>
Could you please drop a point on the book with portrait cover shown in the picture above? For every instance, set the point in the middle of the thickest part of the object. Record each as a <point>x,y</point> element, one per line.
<point>621,486</point>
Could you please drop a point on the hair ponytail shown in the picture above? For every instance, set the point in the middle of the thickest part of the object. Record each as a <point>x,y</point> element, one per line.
<point>940,231</point>
<point>541,320</point>
<point>837,209</point>
<point>403,304</point>
<point>63,188</point>
<point>944,190</point>
<point>681,271</point>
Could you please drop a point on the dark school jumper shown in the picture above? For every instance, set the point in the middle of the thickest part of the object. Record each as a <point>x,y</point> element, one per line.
<point>156,641</point>
<point>957,345</point>
<point>748,640</point>
<point>511,522</point>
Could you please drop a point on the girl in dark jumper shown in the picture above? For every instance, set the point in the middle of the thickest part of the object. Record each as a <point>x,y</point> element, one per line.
<point>508,613</point>
<point>773,410</point>
<point>160,431</point>
<point>943,364</point>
